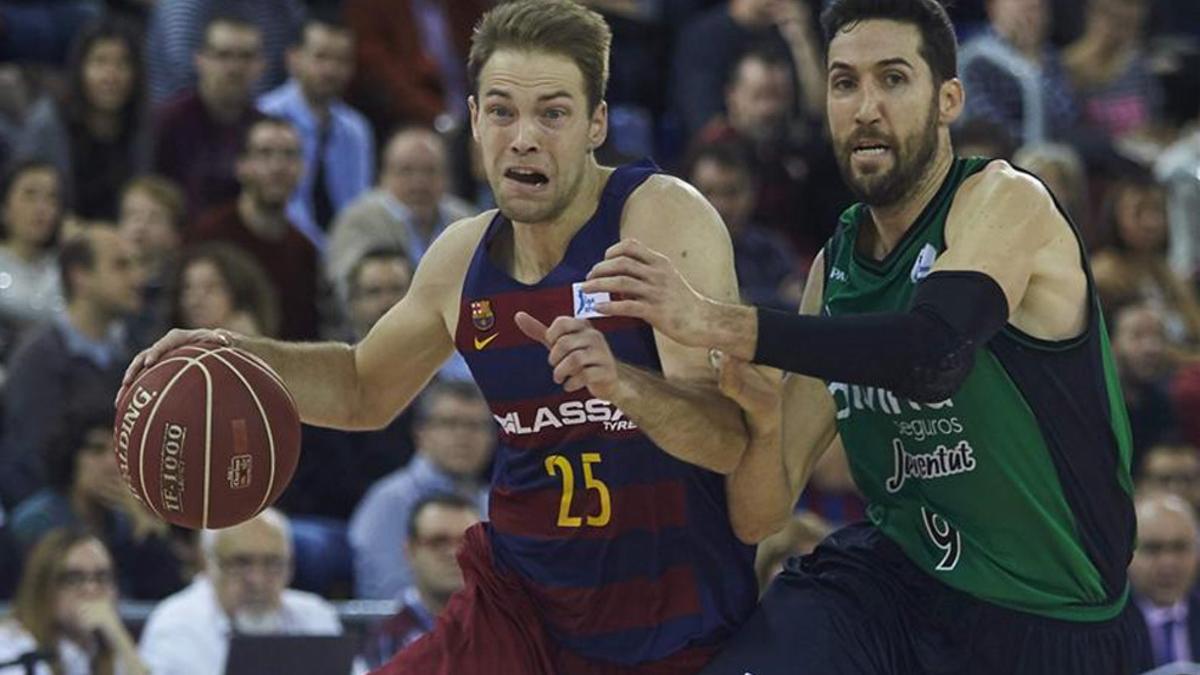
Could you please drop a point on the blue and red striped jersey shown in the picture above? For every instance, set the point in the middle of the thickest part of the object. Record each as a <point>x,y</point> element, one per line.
<point>628,551</point>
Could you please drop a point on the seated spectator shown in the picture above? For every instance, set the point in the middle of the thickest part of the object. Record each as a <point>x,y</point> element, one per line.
<point>221,286</point>
<point>765,263</point>
<point>798,538</point>
<point>1139,348</point>
<point>1173,468</point>
<point>979,137</point>
<point>245,590</point>
<point>16,102</point>
<point>339,148</point>
<point>407,211</point>
<point>455,437</point>
<point>96,135</point>
<point>200,132</point>
<point>1132,265</point>
<point>75,361</point>
<point>84,489</point>
<point>357,458</point>
<point>1061,169</point>
<point>268,170</point>
<point>151,220</point>
<point>65,612</point>
<point>1162,574</point>
<point>437,526</point>
<point>1178,167</point>
<point>798,189</point>
<point>30,211</point>
<point>1015,76</point>
<point>176,29</point>
<point>411,56</point>
<point>1110,68</point>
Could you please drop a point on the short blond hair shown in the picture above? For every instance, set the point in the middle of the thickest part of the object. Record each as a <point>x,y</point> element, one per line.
<point>554,26</point>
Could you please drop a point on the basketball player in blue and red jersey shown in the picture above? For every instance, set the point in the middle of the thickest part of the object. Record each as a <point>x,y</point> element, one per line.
<point>609,547</point>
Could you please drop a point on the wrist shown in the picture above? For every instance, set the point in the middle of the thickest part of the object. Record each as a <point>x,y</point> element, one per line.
<point>732,329</point>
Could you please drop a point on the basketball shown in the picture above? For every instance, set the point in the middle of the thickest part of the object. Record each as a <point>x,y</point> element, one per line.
<point>207,437</point>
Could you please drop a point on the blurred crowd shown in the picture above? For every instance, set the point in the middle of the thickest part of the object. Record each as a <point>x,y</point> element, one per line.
<point>279,167</point>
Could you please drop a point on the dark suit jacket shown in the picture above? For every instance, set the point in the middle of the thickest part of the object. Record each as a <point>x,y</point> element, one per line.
<point>1193,630</point>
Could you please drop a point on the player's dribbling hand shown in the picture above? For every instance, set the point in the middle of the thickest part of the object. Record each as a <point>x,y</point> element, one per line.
<point>647,286</point>
<point>579,353</point>
<point>176,337</point>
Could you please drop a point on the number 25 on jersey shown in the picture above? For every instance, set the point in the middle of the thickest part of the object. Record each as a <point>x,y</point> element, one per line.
<point>558,465</point>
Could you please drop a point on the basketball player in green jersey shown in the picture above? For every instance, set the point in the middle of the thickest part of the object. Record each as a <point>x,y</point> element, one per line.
<point>950,333</point>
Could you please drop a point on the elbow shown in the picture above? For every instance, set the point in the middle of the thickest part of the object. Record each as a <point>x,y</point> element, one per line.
<point>752,531</point>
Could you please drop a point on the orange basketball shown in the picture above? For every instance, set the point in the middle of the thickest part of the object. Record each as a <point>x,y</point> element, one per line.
<point>207,437</point>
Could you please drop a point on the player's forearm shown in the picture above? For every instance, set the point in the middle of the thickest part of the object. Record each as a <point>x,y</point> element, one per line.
<point>692,422</point>
<point>321,377</point>
<point>759,494</point>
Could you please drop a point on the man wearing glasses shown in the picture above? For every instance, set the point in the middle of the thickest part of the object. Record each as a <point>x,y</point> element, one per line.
<point>243,591</point>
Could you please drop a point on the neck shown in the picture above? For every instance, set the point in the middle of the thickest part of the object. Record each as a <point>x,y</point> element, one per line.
<point>891,222</point>
<point>433,602</point>
<point>88,319</point>
<point>103,123</point>
<point>89,511</point>
<point>319,107</point>
<point>263,222</point>
<point>223,111</point>
<point>538,247</point>
<point>23,250</point>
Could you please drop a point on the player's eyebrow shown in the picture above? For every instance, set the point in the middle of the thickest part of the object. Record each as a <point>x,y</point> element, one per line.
<point>562,93</point>
<point>883,63</point>
<point>497,92</point>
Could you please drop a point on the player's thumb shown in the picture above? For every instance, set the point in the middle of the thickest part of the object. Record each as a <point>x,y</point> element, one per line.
<point>535,330</point>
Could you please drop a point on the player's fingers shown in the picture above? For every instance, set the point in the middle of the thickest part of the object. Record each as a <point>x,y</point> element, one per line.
<point>571,365</point>
<point>565,325</point>
<point>134,366</point>
<point>628,287</point>
<point>633,308</point>
<point>631,248</point>
<point>619,266</point>
<point>535,330</point>
<point>560,348</point>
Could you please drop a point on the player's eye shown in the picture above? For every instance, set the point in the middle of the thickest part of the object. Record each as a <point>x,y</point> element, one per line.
<point>894,78</point>
<point>843,84</point>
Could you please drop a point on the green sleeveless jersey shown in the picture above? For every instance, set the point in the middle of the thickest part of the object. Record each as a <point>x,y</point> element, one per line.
<point>1016,489</point>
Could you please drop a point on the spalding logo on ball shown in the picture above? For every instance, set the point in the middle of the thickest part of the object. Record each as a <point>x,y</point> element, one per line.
<point>207,437</point>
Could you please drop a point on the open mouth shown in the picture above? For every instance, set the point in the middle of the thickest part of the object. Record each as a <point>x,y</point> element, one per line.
<point>527,176</point>
<point>870,149</point>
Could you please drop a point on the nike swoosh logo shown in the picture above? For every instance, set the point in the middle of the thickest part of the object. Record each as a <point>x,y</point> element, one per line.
<point>480,344</point>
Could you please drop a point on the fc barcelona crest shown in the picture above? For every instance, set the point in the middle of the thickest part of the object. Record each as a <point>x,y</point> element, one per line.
<point>482,315</point>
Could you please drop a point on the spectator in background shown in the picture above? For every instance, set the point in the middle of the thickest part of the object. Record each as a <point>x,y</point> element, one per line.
<point>455,437</point>
<point>1132,265</point>
<point>797,188</point>
<point>177,30</point>
<point>798,537</point>
<point>96,137</point>
<point>1061,169</point>
<point>408,210</point>
<point>1172,468</point>
<point>708,48</point>
<point>85,489</point>
<point>221,286</point>
<point>1162,573</point>
<point>339,148</point>
<point>199,133</point>
<point>66,608</point>
<point>378,280</point>
<point>411,56</point>
<point>31,212</point>
<point>15,104</point>
<point>75,360</point>
<point>1139,346</point>
<point>151,220</point>
<point>765,263</point>
<point>1015,77</point>
<point>268,169</point>
<point>245,590</point>
<point>982,138</point>
<point>1178,168</point>
<point>436,528</point>
<point>1110,69</point>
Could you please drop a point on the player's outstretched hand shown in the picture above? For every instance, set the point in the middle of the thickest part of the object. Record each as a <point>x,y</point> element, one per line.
<point>646,285</point>
<point>174,338</point>
<point>757,389</point>
<point>579,353</point>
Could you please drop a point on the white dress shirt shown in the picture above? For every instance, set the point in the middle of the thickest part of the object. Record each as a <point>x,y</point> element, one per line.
<point>188,633</point>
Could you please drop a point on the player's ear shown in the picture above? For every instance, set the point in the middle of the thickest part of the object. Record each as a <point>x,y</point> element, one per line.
<point>598,126</point>
<point>951,97</point>
<point>473,109</point>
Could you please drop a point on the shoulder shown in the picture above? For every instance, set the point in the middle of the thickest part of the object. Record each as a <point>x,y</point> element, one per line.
<point>999,185</point>
<point>457,243</point>
<point>352,119</point>
<point>314,613</point>
<point>185,610</point>
<point>664,207</point>
<point>14,640</point>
